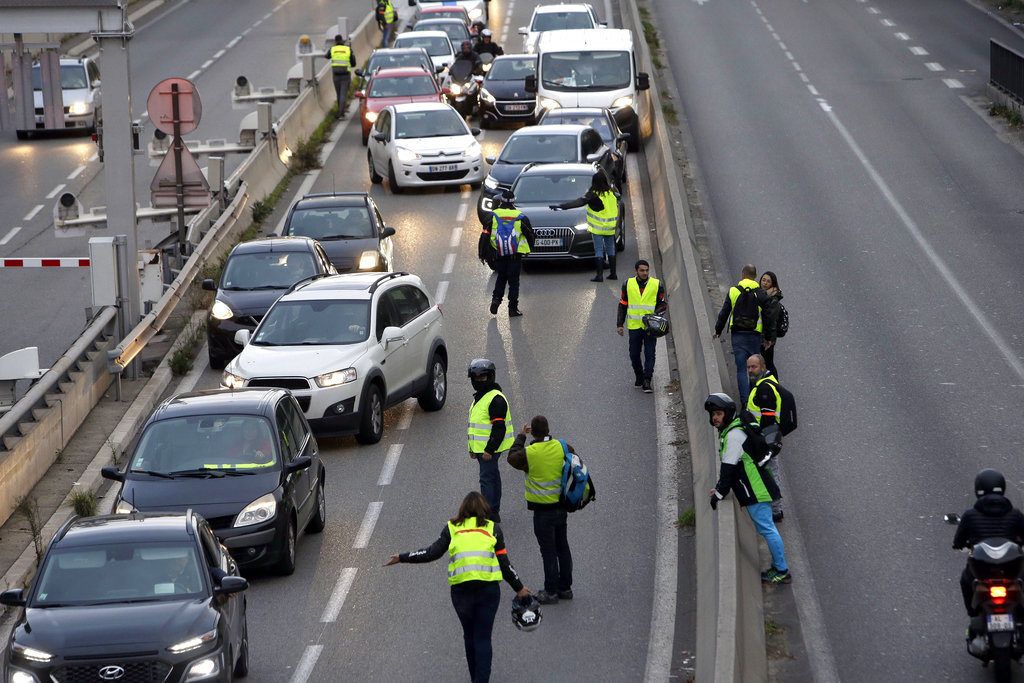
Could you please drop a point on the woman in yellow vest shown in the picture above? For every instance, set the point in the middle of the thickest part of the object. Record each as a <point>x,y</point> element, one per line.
<point>602,202</point>
<point>477,562</point>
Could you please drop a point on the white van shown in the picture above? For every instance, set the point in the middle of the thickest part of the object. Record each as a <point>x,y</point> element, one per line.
<point>590,68</point>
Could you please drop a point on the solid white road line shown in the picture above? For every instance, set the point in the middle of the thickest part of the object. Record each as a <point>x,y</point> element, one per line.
<point>10,235</point>
<point>456,237</point>
<point>442,289</point>
<point>305,668</point>
<point>934,66</point>
<point>952,83</point>
<point>369,521</point>
<point>78,171</point>
<point>919,51</point>
<point>32,214</point>
<point>461,215</point>
<point>55,191</point>
<point>387,473</point>
<point>449,263</point>
<point>337,599</point>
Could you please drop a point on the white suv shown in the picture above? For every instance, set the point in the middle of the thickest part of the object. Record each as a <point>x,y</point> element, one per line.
<point>348,347</point>
<point>556,18</point>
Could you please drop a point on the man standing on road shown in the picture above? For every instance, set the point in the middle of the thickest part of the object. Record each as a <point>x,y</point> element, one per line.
<point>502,245</point>
<point>743,310</point>
<point>753,486</point>
<point>641,295</point>
<point>542,461</point>
<point>342,59</point>
<point>490,429</point>
<point>765,404</point>
<point>602,203</point>
<point>386,19</point>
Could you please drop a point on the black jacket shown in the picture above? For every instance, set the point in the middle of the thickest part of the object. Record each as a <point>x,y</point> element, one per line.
<point>351,58</point>
<point>490,48</point>
<point>660,306</point>
<point>496,411</point>
<point>591,200</point>
<point>486,252</point>
<point>440,546</point>
<point>771,314</point>
<point>767,329</point>
<point>993,516</point>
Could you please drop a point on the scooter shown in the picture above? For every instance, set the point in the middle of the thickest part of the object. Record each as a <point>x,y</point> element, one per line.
<point>462,88</point>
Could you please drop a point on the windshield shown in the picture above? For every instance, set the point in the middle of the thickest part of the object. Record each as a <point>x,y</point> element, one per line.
<point>436,123</point>
<point>553,21</point>
<point>456,30</point>
<point>315,323</point>
<point>585,70</point>
<point>119,572</point>
<point>402,86</point>
<point>454,13</point>
<point>220,443</point>
<point>395,60</point>
<point>528,149</point>
<point>545,189</point>
<point>436,46</point>
<point>267,270</point>
<point>72,77</point>
<point>332,223</point>
<point>512,69</point>
<point>596,121</point>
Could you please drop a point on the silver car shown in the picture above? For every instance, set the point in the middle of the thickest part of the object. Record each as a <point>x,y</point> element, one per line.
<point>80,87</point>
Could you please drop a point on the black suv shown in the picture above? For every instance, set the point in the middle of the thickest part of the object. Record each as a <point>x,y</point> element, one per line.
<point>245,460</point>
<point>348,225</point>
<point>255,274</point>
<point>130,598</point>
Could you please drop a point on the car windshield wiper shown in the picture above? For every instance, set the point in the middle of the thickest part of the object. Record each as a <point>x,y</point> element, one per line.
<point>153,473</point>
<point>236,473</point>
<point>198,472</point>
<point>343,237</point>
<point>267,343</point>
<point>235,289</point>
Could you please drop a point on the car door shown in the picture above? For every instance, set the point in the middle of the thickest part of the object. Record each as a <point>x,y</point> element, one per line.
<point>392,356</point>
<point>296,484</point>
<point>307,447</point>
<point>386,247</point>
<point>220,564</point>
<point>378,149</point>
<point>412,305</point>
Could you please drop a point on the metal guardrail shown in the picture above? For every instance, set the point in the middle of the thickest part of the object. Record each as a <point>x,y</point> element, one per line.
<point>1006,70</point>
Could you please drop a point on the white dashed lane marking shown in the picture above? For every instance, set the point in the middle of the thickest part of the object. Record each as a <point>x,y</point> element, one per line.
<point>934,66</point>
<point>369,522</point>
<point>387,473</point>
<point>337,599</point>
<point>919,51</point>
<point>32,214</point>
<point>81,169</point>
<point>442,289</point>
<point>10,235</point>
<point>55,191</point>
<point>449,263</point>
<point>952,83</point>
<point>902,36</point>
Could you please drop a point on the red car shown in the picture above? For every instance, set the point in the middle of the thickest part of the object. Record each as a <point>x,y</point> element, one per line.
<point>395,86</point>
<point>445,12</point>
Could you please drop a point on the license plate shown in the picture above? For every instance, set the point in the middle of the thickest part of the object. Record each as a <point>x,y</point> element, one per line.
<point>441,168</point>
<point>517,107</point>
<point>1000,622</point>
<point>549,242</point>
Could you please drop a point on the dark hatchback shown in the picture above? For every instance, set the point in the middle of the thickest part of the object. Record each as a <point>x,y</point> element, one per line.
<point>349,227</point>
<point>503,96</point>
<point>130,598</point>
<point>601,120</point>
<point>246,460</point>
<point>255,274</point>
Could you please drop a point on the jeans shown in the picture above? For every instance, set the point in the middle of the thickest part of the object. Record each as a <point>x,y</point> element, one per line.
<point>490,480</point>
<point>761,516</point>
<point>744,345</point>
<point>387,30</point>
<point>476,603</point>
<point>604,245</point>
<point>507,269</point>
<point>551,529</point>
<point>773,467</point>
<point>640,339</point>
<point>341,83</point>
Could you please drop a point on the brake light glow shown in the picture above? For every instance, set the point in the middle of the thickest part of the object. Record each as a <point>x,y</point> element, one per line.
<point>997,592</point>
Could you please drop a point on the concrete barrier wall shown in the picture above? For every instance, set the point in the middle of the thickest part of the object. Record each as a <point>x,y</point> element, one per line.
<point>730,628</point>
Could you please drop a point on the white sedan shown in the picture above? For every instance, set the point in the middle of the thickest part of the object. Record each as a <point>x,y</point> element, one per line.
<point>423,144</point>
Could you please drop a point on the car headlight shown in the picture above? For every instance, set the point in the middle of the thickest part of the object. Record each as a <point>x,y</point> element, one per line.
<point>202,669</point>
<point>22,677</point>
<point>406,155</point>
<point>31,653</point>
<point>79,108</point>
<point>476,13</point>
<point>232,381</point>
<point>490,183</point>
<point>473,149</point>
<point>455,89</point>
<point>260,510</point>
<point>486,96</point>
<point>123,507</point>
<point>368,260</point>
<point>487,67</point>
<point>548,103</point>
<point>193,643</point>
<point>624,101</point>
<point>371,116</point>
<point>581,226</point>
<point>221,311</point>
<point>333,379</point>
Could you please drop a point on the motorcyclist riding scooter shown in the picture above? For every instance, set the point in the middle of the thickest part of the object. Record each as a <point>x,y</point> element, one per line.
<point>462,84</point>
<point>487,46</point>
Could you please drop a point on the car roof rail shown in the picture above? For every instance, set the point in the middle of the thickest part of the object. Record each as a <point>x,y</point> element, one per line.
<point>314,195</point>
<point>384,278</point>
<point>64,528</point>
<point>305,281</point>
<point>190,521</point>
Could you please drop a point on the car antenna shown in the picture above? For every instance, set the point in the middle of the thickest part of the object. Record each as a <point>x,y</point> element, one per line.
<point>334,183</point>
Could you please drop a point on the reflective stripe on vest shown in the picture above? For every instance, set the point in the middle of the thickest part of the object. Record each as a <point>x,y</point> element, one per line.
<point>639,304</point>
<point>760,491</point>
<point>471,554</point>
<point>756,409</point>
<point>734,293</point>
<point>341,55</point>
<point>544,463</point>
<point>515,243</point>
<point>603,222</point>
<point>479,430</point>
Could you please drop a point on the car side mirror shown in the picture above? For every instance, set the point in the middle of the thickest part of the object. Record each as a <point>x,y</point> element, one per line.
<point>359,94</point>
<point>359,72</point>
<point>439,69</point>
<point>380,137</point>
<point>621,137</point>
<point>949,518</point>
<point>474,131</point>
<point>530,85</point>
<point>595,157</point>
<point>388,231</point>
<point>242,337</point>
<point>112,473</point>
<point>523,31</point>
<point>489,160</point>
<point>392,335</point>
<point>303,462</point>
<point>643,81</point>
<point>231,584</point>
<point>209,285</point>
<point>14,597</point>
<point>412,3</point>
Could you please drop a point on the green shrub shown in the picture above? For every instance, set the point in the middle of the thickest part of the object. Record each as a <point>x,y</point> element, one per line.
<point>85,503</point>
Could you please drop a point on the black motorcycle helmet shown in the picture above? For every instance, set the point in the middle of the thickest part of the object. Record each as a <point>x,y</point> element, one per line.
<point>989,481</point>
<point>466,47</point>
<point>481,373</point>
<point>505,198</point>
<point>720,402</point>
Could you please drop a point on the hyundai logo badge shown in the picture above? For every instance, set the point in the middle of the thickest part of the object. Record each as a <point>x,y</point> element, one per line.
<point>111,673</point>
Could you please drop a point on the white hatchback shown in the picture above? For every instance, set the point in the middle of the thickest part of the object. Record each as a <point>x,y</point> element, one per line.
<point>556,18</point>
<point>423,144</point>
<point>437,44</point>
<point>348,347</point>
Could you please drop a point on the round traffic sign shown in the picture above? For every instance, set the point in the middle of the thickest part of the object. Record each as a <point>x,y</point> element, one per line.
<point>160,105</point>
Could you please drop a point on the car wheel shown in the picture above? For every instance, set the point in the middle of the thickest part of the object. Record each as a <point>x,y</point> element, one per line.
<point>375,178</point>
<point>366,139</point>
<point>436,393</point>
<point>371,422</point>
<point>392,181</point>
<point>286,565</point>
<point>475,186</point>
<point>216,362</point>
<point>624,175</point>
<point>319,520</point>
<point>242,665</point>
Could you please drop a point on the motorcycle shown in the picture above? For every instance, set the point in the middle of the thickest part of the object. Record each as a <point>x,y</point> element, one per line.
<point>462,87</point>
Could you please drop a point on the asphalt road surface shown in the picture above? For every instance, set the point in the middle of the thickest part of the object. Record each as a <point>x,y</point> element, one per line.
<point>840,145</point>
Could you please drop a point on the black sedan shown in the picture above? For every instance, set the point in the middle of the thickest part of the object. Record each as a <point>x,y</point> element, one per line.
<point>255,274</point>
<point>246,460</point>
<point>348,225</point>
<point>132,598</point>
<point>503,97</point>
<point>601,120</point>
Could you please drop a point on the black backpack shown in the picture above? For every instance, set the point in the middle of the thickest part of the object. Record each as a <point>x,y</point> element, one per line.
<point>787,420</point>
<point>746,311</point>
<point>782,324</point>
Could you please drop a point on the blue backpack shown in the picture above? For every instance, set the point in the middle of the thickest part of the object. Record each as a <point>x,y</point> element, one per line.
<point>577,486</point>
<point>504,233</point>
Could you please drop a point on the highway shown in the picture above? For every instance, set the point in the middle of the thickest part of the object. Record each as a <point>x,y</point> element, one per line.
<point>841,145</point>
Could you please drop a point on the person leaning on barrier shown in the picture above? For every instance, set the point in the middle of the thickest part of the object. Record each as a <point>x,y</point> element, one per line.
<point>342,60</point>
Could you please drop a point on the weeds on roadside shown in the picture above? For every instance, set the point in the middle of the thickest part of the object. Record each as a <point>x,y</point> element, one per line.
<point>85,503</point>
<point>687,519</point>
<point>28,507</point>
<point>182,358</point>
<point>1011,115</point>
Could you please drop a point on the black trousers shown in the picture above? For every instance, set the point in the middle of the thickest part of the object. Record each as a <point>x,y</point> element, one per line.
<point>507,269</point>
<point>551,529</point>
<point>769,359</point>
<point>967,588</point>
<point>341,83</point>
<point>476,603</point>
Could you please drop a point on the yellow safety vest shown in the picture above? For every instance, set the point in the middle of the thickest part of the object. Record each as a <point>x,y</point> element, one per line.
<point>388,13</point>
<point>603,222</point>
<point>755,409</point>
<point>544,462</point>
<point>479,430</point>
<point>639,304</point>
<point>516,240</point>
<point>734,293</point>
<point>341,55</point>
<point>471,554</point>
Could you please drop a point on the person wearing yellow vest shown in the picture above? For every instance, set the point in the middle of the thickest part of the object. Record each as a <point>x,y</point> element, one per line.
<point>386,19</point>
<point>342,59</point>
<point>542,461</point>
<point>490,429</point>
<point>765,405</point>
<point>743,311</point>
<point>477,563</point>
<point>641,295</point>
<point>602,202</point>
<point>503,244</point>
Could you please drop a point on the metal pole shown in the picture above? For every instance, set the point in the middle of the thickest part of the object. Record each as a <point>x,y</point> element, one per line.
<point>179,180</point>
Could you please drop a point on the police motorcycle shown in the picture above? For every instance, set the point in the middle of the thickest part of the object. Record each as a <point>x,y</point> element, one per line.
<point>462,87</point>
